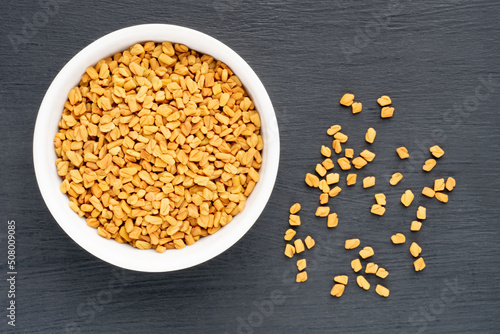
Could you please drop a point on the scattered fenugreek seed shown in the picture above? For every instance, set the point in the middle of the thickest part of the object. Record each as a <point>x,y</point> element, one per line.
<point>415,249</point>
<point>436,151</point>
<point>299,246</point>
<point>333,220</point>
<point>362,282</point>
<point>421,213</point>
<point>349,153</point>
<point>347,100</point>
<point>301,277</point>
<point>382,290</point>
<point>344,163</point>
<point>289,234</point>
<point>382,273</point>
<point>371,268</point>
<point>325,151</point>
<point>398,238</point>
<point>337,290</point>
<point>419,264</point>
<point>366,252</point>
<point>294,220</point>
<point>407,198</point>
<point>341,279</point>
<point>301,264</point>
<point>380,199</point>
<point>439,185</point>
<point>377,209</point>
<point>356,107</point>
<point>289,250</point>
<point>450,183</point>
<point>429,192</point>
<point>359,162</point>
<point>295,208</point>
<point>367,155</point>
<point>386,112</point>
<point>415,226</point>
<point>352,243</point>
<point>396,177</point>
<point>370,135</point>
<point>368,181</point>
<point>332,178</point>
<point>429,165</point>
<point>442,197</point>
<point>342,138</point>
<point>333,130</point>
<point>309,241</point>
<point>320,170</point>
<point>403,152</point>
<point>322,211</point>
<point>335,191</point>
<point>384,100</point>
<point>356,265</point>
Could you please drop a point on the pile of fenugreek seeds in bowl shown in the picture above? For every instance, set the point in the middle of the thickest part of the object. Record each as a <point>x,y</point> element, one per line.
<point>158,146</point>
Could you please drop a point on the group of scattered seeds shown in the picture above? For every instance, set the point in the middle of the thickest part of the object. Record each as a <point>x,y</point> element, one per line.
<point>326,181</point>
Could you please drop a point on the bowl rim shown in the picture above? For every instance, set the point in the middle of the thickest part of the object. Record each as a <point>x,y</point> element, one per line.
<point>122,255</point>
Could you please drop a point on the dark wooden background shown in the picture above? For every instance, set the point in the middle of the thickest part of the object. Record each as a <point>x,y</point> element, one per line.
<point>432,57</point>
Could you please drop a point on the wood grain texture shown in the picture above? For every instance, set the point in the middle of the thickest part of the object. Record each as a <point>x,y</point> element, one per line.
<point>429,56</point>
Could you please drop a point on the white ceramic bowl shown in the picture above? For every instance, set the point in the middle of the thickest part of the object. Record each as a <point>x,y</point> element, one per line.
<point>123,255</point>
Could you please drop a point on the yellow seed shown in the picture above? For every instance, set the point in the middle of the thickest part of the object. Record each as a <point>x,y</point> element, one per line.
<point>301,264</point>
<point>368,181</point>
<point>387,112</point>
<point>294,220</point>
<point>419,264</point>
<point>337,290</point>
<point>299,246</point>
<point>322,211</point>
<point>366,252</point>
<point>396,177</point>
<point>289,234</point>
<point>342,138</point>
<point>356,107</point>
<point>450,183</point>
<point>371,268</point>
<point>382,290</point>
<point>333,220</point>
<point>332,178</point>
<point>351,179</point>
<point>301,277</point>
<point>382,273</point>
<point>359,162</point>
<point>309,241</point>
<point>295,208</point>
<point>439,185</point>
<point>398,238</point>
<point>415,249</point>
<point>341,279</point>
<point>335,191</point>
<point>429,165</point>
<point>323,198</point>
<point>403,152</point>
<point>377,209</point>
<point>407,198</point>
<point>380,199</point>
<point>344,163</point>
<point>325,151</point>
<point>421,213</point>
<point>436,151</point>
<point>337,147</point>
<point>367,155</point>
<point>356,265</point>
<point>333,130</point>
<point>415,226</point>
<point>320,170</point>
<point>442,197</point>
<point>352,243</point>
<point>328,164</point>
<point>429,192</point>
<point>362,282</point>
<point>289,250</point>
<point>312,180</point>
<point>323,186</point>
<point>370,135</point>
<point>384,100</point>
<point>349,153</point>
<point>347,100</point>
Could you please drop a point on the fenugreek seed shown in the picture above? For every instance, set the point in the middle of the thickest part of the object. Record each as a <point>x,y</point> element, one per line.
<point>333,220</point>
<point>341,279</point>
<point>323,198</point>
<point>351,179</point>
<point>328,164</point>
<point>396,177</point>
<point>325,151</point>
<point>377,209</point>
<point>366,252</point>
<point>320,170</point>
<point>309,241</point>
<point>323,186</point>
<point>403,152</point>
<point>415,226</point>
<point>380,199</point>
<point>407,198</point>
<point>333,130</point>
<point>442,197</point>
<point>322,211</point>
<point>289,234</point>
<point>382,290</point>
<point>337,290</point>
<point>295,208</point>
<point>337,147</point>
<point>386,112</point>
<point>371,268</point>
<point>335,191</point>
<point>289,250</point>
<point>301,264</point>
<point>344,163</point>
<point>439,185</point>
<point>398,238</point>
<point>450,183</point>
<point>370,135</point>
<point>347,100</point>
<point>382,273</point>
<point>352,243</point>
<point>356,265</point>
<point>299,246</point>
<point>301,277</point>
<point>294,220</point>
<point>415,249</point>
<point>368,181</point>
<point>362,282</point>
<point>421,213</point>
<point>359,162</point>
<point>384,100</point>
<point>429,165</point>
<point>342,138</point>
<point>367,155</point>
<point>312,180</point>
<point>356,107</point>
<point>332,178</point>
<point>436,151</point>
<point>419,264</point>
<point>349,153</point>
<point>429,192</point>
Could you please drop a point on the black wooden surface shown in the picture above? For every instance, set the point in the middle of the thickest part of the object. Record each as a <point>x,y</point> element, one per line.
<point>432,57</point>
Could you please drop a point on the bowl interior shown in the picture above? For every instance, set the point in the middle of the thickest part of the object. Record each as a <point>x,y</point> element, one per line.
<point>123,255</point>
